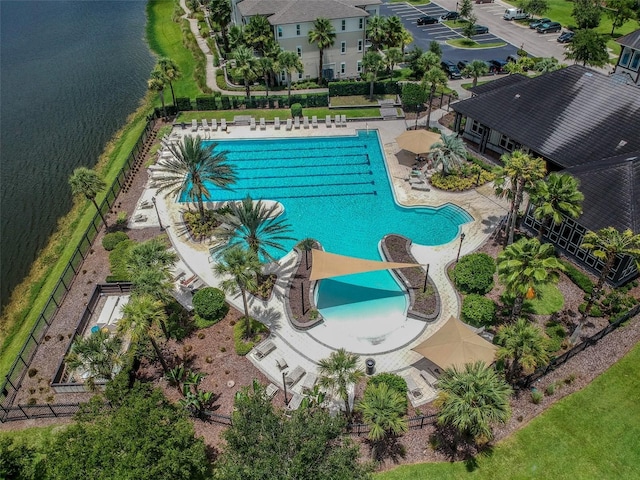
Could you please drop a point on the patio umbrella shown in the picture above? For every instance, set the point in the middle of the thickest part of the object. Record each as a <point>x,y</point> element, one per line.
<point>454,345</point>
<point>417,141</point>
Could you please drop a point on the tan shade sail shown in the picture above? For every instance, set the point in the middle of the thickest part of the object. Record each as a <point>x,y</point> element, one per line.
<point>326,265</point>
<point>454,345</point>
<point>417,141</point>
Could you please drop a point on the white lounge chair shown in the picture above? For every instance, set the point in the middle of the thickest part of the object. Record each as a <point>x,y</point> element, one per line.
<point>263,125</point>
<point>295,402</point>
<point>271,391</point>
<point>296,123</point>
<point>338,121</point>
<point>276,123</point>
<point>205,125</point>
<point>288,127</point>
<point>281,363</point>
<point>139,218</point>
<point>305,121</point>
<point>146,204</point>
<point>194,125</point>
<point>294,375</point>
<point>309,382</point>
<point>343,120</point>
<point>314,121</point>
<point>429,378</point>
<point>214,125</point>
<point>223,124</point>
<point>265,349</point>
<point>252,123</point>
<point>327,121</point>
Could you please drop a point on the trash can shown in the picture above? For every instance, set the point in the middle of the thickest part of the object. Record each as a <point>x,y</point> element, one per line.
<point>371,366</point>
<point>183,125</point>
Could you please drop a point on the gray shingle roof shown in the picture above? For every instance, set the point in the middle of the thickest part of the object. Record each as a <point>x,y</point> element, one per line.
<point>571,116</point>
<point>282,12</point>
<point>611,189</point>
<point>631,40</point>
<point>498,83</point>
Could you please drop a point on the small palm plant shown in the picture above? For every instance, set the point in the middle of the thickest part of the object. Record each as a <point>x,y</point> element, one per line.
<point>338,372</point>
<point>383,408</point>
<point>99,354</point>
<point>87,182</point>
<point>523,347</point>
<point>449,152</point>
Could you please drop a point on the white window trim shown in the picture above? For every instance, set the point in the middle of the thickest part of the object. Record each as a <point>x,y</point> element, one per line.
<point>299,52</point>
<point>360,43</point>
<point>343,68</point>
<point>343,48</point>
<point>298,30</point>
<point>359,66</point>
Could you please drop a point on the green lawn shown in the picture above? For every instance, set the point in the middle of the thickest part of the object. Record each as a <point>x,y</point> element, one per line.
<point>282,113</point>
<point>468,43</point>
<point>591,434</point>
<point>355,100</point>
<point>548,300</point>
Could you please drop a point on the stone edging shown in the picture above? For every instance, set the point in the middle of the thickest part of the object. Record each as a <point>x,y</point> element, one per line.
<point>411,313</point>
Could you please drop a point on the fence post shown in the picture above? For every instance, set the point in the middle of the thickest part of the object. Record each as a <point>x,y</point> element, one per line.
<point>52,411</point>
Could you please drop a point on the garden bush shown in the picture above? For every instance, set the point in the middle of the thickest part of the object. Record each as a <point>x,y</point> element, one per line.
<point>111,240</point>
<point>556,333</point>
<point>478,311</point>
<point>296,110</point>
<point>209,304</point>
<point>118,262</point>
<point>474,273</point>
<point>393,381</point>
<point>459,182</point>
<point>243,345</point>
<point>581,279</point>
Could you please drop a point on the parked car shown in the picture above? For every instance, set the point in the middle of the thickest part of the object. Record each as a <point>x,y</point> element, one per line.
<point>538,21</point>
<point>450,16</point>
<point>566,37</point>
<point>549,27</point>
<point>485,1</point>
<point>462,64</point>
<point>451,70</point>
<point>497,66</point>
<point>480,29</point>
<point>515,14</point>
<point>427,20</point>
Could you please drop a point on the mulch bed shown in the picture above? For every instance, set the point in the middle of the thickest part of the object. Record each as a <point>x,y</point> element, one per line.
<point>299,299</point>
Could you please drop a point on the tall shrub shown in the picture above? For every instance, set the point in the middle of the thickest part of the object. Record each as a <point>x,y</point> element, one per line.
<point>474,273</point>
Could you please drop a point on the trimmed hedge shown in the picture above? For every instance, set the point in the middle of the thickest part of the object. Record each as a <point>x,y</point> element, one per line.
<point>231,102</point>
<point>342,89</point>
<point>209,304</point>
<point>296,110</point>
<point>474,273</point>
<point>581,279</point>
<point>118,261</point>
<point>556,333</point>
<point>478,311</point>
<point>111,240</point>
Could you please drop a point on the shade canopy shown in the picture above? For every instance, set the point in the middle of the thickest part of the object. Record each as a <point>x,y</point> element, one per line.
<point>455,345</point>
<point>417,141</point>
<point>326,265</point>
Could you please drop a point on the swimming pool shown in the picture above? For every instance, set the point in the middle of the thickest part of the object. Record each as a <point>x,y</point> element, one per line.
<point>337,191</point>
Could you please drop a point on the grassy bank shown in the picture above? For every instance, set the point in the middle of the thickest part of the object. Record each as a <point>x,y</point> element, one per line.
<point>590,434</point>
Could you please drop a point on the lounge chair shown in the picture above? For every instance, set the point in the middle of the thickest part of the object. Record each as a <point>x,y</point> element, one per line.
<point>310,380</point>
<point>296,123</point>
<point>214,125</point>
<point>194,125</point>
<point>276,123</point>
<point>327,121</point>
<point>294,375</point>
<point>338,121</point>
<point>252,123</point>
<point>140,218</point>
<point>412,388</point>
<point>263,125</point>
<point>343,120</point>
<point>314,121</point>
<point>305,121</point>
<point>205,125</point>
<point>431,380</point>
<point>271,391</point>
<point>295,402</point>
<point>178,274</point>
<point>281,363</point>
<point>146,204</point>
<point>288,127</point>
<point>223,124</point>
<point>265,349</point>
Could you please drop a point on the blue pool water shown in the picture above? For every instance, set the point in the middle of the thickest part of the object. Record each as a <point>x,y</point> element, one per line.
<point>337,191</point>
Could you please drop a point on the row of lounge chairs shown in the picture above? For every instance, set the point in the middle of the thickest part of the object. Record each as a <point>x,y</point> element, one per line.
<point>206,127</point>
<point>296,122</point>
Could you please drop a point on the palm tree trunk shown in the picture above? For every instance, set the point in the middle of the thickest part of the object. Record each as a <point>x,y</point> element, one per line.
<point>516,207</point>
<point>104,220</point>
<point>201,210</point>
<point>173,95</point>
<point>164,108</point>
<point>320,79</point>
<point>165,367</point>
<point>517,306</point>
<point>266,84</point>
<point>371,89</point>
<point>544,227</point>
<point>247,327</point>
<point>289,86</point>
<point>246,86</point>
<point>429,107</point>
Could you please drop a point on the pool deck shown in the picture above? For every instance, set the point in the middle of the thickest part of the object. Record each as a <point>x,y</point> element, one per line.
<point>299,348</point>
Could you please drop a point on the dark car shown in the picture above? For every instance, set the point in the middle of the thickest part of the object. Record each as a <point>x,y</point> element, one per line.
<point>450,16</point>
<point>497,66</point>
<point>539,21</point>
<point>566,37</point>
<point>428,20</point>
<point>480,29</point>
<point>451,70</point>
<point>462,64</point>
<point>549,27</point>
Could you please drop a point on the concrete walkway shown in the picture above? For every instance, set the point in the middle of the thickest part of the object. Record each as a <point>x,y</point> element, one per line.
<point>303,348</point>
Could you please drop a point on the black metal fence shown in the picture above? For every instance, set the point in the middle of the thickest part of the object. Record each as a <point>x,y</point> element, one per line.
<point>11,384</point>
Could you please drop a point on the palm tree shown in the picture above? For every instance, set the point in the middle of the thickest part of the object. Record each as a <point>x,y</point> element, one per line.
<point>99,354</point>
<point>433,78</point>
<point>258,32</point>
<point>152,254</point>
<point>427,61</point>
<point>519,175</point>
<point>307,244</point>
<point>372,64</point>
<point>140,316</point>
<point>338,372</point>
<point>87,182</point>
<point>383,409</point>
<point>394,27</point>
<point>192,165</point>
<point>265,66</point>
<point>607,244</point>
<point>256,225</point>
<point>475,69</point>
<point>156,83</point>
<point>555,198</point>
<point>546,65</point>
<point>245,66</point>
<point>449,152</point>
<point>376,32</point>
<point>171,73</point>
<point>405,40</point>
<point>523,347</point>
<point>525,264</point>
<point>290,62</point>
<point>221,15</point>
<point>156,284</point>
<point>392,57</point>
<point>472,400</point>
<point>243,266</point>
<point>323,35</point>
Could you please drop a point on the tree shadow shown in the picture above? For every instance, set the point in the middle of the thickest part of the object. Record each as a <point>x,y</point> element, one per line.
<point>388,448</point>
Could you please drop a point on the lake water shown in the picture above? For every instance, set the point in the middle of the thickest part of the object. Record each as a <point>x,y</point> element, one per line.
<point>70,74</point>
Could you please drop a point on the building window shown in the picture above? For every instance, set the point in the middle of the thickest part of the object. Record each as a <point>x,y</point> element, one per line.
<point>343,68</point>
<point>279,32</point>
<point>359,68</point>
<point>344,25</point>
<point>506,143</point>
<point>299,76</point>
<point>635,61</point>
<point>359,45</point>
<point>298,30</point>
<point>476,127</point>
<point>361,23</point>
<point>343,47</point>
<point>624,58</point>
<point>299,51</point>
<point>283,76</point>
